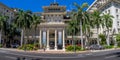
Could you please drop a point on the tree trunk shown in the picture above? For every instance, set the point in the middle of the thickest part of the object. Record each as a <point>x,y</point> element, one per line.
<point>0,36</point>
<point>107,40</point>
<point>35,36</point>
<point>81,34</point>
<point>98,42</point>
<point>22,36</point>
<point>86,39</point>
<point>72,40</point>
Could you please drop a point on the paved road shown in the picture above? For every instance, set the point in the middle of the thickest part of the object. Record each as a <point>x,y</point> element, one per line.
<point>105,55</point>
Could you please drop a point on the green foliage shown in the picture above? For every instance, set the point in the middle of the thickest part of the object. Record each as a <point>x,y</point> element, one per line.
<point>0,45</point>
<point>28,47</point>
<point>108,47</point>
<point>103,39</point>
<point>118,39</point>
<point>71,48</point>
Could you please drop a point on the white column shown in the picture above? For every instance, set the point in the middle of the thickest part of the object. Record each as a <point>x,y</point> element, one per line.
<point>40,38</point>
<point>55,39</point>
<point>47,39</point>
<point>63,40</point>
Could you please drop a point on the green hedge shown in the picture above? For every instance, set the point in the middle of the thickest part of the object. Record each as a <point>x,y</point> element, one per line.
<point>108,47</point>
<point>28,47</point>
<point>71,48</point>
<point>0,45</point>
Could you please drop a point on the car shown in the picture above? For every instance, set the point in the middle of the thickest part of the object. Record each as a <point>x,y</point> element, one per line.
<point>15,45</point>
<point>96,47</point>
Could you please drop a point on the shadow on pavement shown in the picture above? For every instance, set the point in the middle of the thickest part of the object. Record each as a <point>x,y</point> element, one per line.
<point>116,53</point>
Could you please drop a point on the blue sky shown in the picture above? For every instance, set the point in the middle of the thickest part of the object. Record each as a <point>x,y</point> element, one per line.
<point>36,5</point>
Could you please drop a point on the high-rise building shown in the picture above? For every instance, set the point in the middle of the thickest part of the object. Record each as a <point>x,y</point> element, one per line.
<point>6,11</point>
<point>111,7</point>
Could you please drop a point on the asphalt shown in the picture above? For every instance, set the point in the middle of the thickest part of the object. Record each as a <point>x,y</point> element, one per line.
<point>101,55</point>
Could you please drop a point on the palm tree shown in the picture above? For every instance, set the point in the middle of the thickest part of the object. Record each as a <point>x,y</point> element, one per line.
<point>10,33</point>
<point>3,20</point>
<point>80,18</point>
<point>73,29</point>
<point>97,21</point>
<point>36,21</point>
<point>23,21</point>
<point>107,18</point>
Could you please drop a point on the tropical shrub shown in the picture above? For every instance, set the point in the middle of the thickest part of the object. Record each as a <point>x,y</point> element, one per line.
<point>103,39</point>
<point>108,47</point>
<point>28,47</point>
<point>71,48</point>
<point>118,40</point>
<point>0,45</point>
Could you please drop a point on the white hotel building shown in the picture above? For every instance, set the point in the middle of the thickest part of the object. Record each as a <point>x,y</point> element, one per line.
<point>52,32</point>
<point>6,11</point>
<point>108,6</point>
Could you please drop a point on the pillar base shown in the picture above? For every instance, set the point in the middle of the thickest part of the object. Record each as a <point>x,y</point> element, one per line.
<point>47,48</point>
<point>63,49</point>
<point>55,48</point>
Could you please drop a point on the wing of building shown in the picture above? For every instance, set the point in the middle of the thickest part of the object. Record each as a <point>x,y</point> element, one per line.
<point>5,10</point>
<point>108,6</point>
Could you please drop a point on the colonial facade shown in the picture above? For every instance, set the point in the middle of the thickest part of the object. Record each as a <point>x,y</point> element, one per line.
<point>52,31</point>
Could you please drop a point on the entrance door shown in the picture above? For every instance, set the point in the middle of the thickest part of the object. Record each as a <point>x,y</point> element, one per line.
<point>52,44</point>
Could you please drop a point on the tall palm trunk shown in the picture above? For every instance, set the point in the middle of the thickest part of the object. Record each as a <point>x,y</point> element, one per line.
<point>81,33</point>
<point>0,36</point>
<point>22,36</point>
<point>107,40</point>
<point>98,42</point>
<point>72,40</point>
<point>35,36</point>
<point>86,39</point>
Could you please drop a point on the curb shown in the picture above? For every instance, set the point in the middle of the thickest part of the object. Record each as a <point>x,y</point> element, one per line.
<point>57,52</point>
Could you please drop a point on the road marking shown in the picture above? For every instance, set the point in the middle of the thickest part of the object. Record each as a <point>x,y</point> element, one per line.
<point>110,56</point>
<point>10,57</point>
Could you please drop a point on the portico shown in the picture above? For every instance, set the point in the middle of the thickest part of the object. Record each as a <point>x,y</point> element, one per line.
<point>52,36</point>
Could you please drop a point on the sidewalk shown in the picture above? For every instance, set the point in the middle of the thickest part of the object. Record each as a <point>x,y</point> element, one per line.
<point>57,51</point>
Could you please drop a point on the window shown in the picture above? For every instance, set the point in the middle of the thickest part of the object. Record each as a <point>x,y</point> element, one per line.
<point>105,11</point>
<point>117,16</point>
<point>109,11</point>
<point>118,23</point>
<point>7,11</point>
<point>116,10</point>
